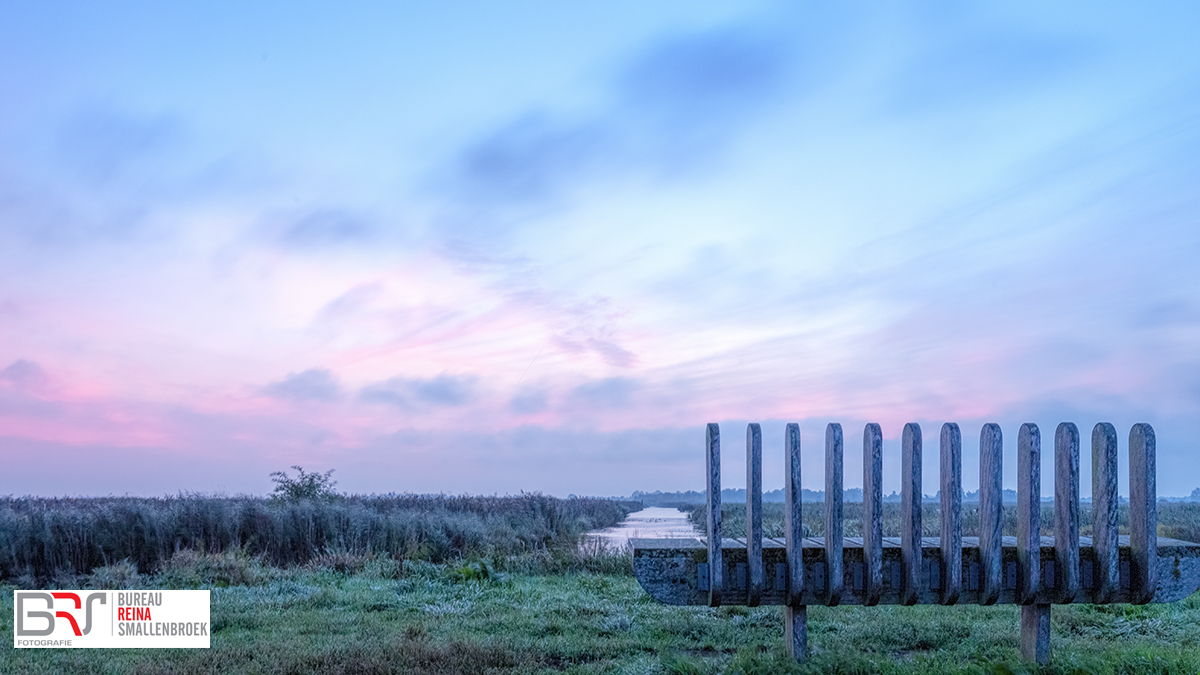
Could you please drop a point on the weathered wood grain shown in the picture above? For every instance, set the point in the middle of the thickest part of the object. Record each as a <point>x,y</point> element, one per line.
<point>792,526</point>
<point>1035,633</point>
<point>951,512</point>
<point>1029,512</point>
<point>1066,510</point>
<point>833,513</point>
<point>991,511</point>
<point>715,564</point>
<point>795,628</point>
<point>1104,511</point>
<point>910,507</point>
<point>1143,514</point>
<point>872,513</point>
<point>754,534</point>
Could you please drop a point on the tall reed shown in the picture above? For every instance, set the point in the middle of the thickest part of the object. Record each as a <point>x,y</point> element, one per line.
<point>42,537</point>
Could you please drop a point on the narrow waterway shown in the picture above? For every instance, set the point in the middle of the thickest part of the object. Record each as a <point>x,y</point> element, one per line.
<point>650,522</point>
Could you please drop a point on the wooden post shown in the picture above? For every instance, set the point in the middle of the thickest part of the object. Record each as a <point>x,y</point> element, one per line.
<point>795,630</point>
<point>1143,515</point>
<point>796,616</point>
<point>1035,633</point>
<point>1104,511</point>
<point>991,511</point>
<point>716,566</point>
<point>910,506</point>
<point>1029,513</point>
<point>951,506</point>
<point>1035,617</point>
<point>833,515</point>
<point>872,514</point>
<point>754,534</point>
<point>1066,511</point>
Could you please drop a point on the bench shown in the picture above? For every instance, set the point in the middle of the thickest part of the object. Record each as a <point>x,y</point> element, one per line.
<point>1029,570</point>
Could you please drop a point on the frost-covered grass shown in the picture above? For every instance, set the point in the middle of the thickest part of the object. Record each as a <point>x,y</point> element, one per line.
<point>372,615</point>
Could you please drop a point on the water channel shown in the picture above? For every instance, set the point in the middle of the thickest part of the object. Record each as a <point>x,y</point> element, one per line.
<point>650,522</point>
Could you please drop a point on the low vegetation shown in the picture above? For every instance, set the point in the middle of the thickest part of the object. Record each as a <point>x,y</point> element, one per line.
<point>46,541</point>
<point>329,584</point>
<point>341,614</point>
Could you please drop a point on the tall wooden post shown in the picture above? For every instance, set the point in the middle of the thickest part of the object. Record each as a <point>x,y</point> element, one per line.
<point>1104,511</point>
<point>833,515</point>
<point>910,506</point>
<point>951,511</point>
<point>1035,616</point>
<point>872,514</point>
<point>754,533</point>
<point>795,613</point>
<point>1143,515</point>
<point>1066,511</point>
<point>716,566</point>
<point>991,511</point>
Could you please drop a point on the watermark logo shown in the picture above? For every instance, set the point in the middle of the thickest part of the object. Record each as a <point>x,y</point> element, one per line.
<point>110,619</point>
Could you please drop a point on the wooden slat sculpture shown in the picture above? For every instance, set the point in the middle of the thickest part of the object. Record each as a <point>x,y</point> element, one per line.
<point>1029,570</point>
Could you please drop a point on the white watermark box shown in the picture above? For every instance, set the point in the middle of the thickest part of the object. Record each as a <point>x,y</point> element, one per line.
<point>110,619</point>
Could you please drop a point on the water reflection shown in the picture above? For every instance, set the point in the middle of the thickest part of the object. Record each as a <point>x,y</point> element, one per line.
<point>650,522</point>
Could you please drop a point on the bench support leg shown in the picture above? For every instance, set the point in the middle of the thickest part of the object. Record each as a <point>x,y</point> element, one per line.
<point>1035,633</point>
<point>795,631</point>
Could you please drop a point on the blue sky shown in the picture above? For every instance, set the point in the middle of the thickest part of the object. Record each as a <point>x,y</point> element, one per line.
<point>481,247</point>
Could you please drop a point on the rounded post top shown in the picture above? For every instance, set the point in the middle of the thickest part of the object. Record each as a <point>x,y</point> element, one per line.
<point>912,432</point>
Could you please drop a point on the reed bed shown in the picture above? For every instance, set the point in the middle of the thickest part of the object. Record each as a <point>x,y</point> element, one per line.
<point>42,538</point>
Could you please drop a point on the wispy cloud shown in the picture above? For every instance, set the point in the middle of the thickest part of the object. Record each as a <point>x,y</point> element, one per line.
<point>670,110</point>
<point>973,63</point>
<point>324,227</point>
<point>529,402</point>
<point>103,146</point>
<point>24,374</point>
<point>314,384</point>
<point>611,392</point>
<point>415,393</point>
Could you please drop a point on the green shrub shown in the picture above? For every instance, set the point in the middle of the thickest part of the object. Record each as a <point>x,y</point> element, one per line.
<point>303,486</point>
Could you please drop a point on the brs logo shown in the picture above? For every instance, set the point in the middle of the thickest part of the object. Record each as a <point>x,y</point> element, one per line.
<point>51,614</point>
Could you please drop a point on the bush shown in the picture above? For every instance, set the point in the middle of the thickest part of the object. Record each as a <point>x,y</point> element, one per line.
<point>303,486</point>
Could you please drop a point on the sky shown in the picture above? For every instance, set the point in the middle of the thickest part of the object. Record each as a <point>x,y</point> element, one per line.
<point>481,247</point>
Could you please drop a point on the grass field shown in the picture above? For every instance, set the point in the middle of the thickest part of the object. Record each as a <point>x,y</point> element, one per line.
<point>378,617</point>
<point>551,607</point>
